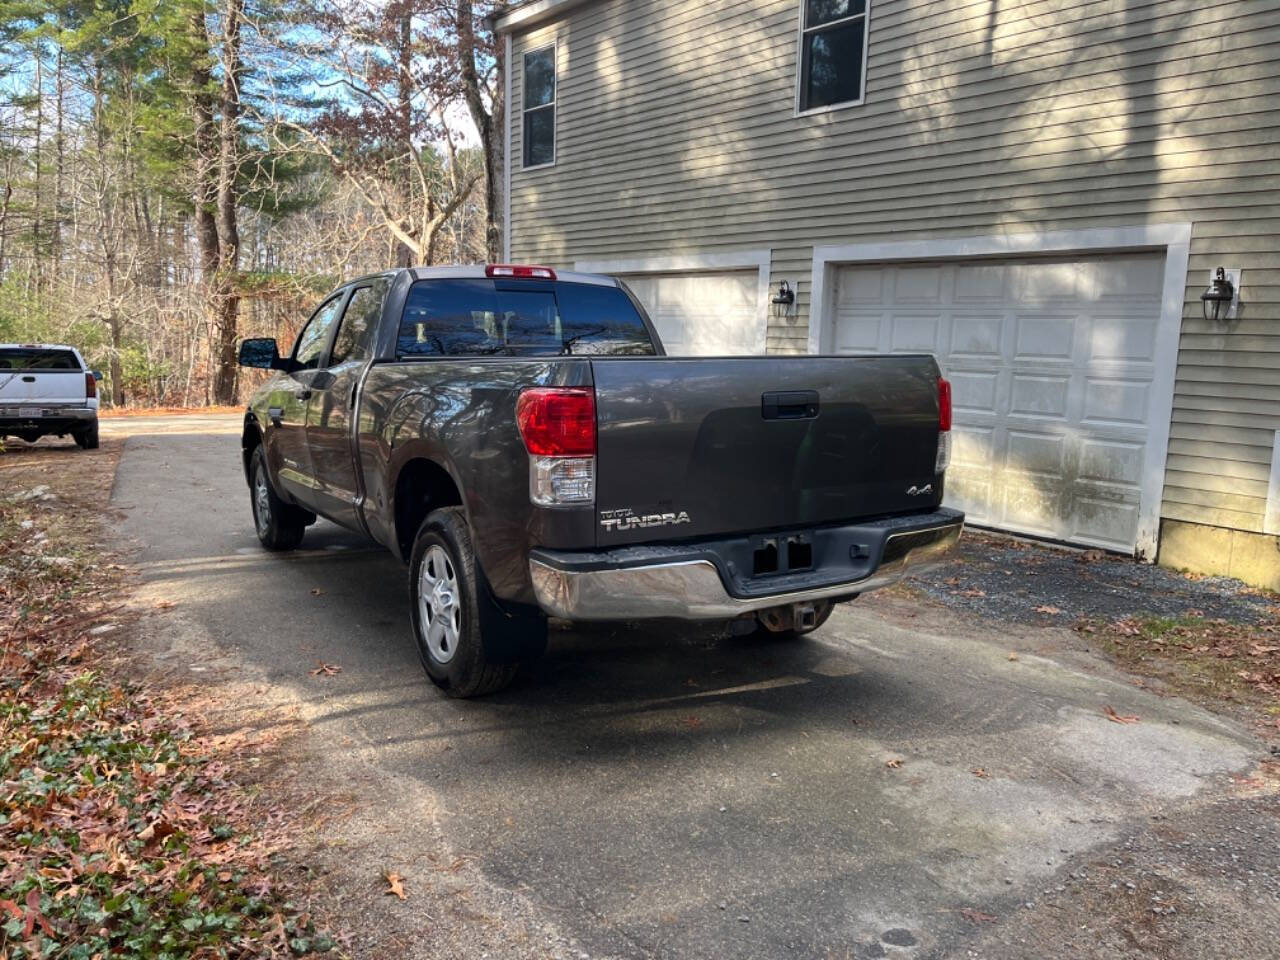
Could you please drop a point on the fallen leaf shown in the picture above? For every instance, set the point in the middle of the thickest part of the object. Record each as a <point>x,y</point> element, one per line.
<point>316,592</point>
<point>1092,556</point>
<point>1117,718</point>
<point>981,773</point>
<point>11,908</point>
<point>972,593</point>
<point>893,763</point>
<point>164,605</point>
<point>1013,656</point>
<point>395,886</point>
<point>976,916</point>
<point>326,669</point>
<point>1051,610</point>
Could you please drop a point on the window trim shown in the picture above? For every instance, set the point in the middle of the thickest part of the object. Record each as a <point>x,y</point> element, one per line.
<point>554,47</point>
<point>800,110</point>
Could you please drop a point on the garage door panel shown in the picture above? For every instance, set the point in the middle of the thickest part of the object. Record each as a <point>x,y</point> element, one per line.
<point>976,337</point>
<point>702,314</point>
<point>1109,402</point>
<point>1051,365</point>
<point>914,334</point>
<point>1097,521</point>
<point>981,283</point>
<point>974,392</point>
<point>1131,279</point>
<point>858,333</point>
<point>1044,282</point>
<point>1044,338</point>
<point>1031,502</point>
<point>1040,396</point>
<point>1122,339</point>
<point>918,285</point>
<point>972,447</point>
<point>1034,453</point>
<point>1112,462</point>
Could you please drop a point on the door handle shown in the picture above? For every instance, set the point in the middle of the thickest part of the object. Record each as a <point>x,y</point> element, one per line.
<point>28,379</point>
<point>790,405</point>
<point>303,394</point>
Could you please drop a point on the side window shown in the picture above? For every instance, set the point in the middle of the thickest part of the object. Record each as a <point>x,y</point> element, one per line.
<point>449,318</point>
<point>311,341</point>
<point>833,51</point>
<point>359,324</point>
<point>539,105</point>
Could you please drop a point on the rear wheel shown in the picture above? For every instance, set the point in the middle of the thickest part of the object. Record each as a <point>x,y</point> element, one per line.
<point>280,525</point>
<point>447,608</point>
<point>87,439</point>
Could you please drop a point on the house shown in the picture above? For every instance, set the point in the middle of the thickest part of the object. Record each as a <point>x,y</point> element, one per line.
<point>1037,192</point>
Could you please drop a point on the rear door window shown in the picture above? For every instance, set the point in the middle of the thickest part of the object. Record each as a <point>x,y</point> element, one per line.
<point>38,358</point>
<point>476,317</point>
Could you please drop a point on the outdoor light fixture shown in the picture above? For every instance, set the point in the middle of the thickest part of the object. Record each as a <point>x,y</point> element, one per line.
<point>1216,301</point>
<point>783,300</point>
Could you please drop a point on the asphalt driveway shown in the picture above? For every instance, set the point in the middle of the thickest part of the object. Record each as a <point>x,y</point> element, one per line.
<point>895,784</point>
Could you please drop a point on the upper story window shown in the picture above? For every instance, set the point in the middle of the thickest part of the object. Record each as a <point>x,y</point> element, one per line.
<point>539,105</point>
<point>833,53</point>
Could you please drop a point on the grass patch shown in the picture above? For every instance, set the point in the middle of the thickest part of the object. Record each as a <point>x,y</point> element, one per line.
<point>1207,658</point>
<point>121,834</point>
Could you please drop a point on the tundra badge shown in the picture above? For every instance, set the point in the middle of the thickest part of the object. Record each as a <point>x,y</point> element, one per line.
<point>626,519</point>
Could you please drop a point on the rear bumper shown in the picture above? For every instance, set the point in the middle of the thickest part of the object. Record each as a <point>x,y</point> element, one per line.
<point>51,420</point>
<point>702,581</point>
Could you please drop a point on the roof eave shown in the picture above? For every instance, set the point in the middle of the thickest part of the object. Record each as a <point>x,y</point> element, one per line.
<point>532,13</point>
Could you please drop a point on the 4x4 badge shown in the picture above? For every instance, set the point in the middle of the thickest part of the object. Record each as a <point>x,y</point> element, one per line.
<point>919,491</point>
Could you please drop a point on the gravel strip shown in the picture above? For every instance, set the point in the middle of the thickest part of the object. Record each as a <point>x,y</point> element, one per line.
<point>1016,580</point>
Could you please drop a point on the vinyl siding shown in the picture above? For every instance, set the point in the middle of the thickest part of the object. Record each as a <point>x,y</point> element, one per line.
<point>677,134</point>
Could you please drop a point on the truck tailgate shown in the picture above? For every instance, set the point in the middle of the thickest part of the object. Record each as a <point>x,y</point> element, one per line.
<point>709,446</point>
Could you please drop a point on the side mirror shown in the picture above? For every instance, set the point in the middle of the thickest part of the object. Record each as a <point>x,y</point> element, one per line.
<point>97,374</point>
<point>260,352</point>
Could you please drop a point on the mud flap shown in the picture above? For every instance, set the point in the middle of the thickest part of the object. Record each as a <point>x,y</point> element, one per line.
<point>510,633</point>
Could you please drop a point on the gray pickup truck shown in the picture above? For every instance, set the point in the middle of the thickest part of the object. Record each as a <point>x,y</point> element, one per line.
<point>519,438</point>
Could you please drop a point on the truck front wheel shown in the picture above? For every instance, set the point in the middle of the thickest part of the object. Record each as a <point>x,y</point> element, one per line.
<point>446,609</point>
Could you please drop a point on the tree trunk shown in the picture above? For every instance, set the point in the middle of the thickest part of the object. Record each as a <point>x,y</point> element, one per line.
<point>227,297</point>
<point>489,125</point>
<point>404,122</point>
<point>107,237</point>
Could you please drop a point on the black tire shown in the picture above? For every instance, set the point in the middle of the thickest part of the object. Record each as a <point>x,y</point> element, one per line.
<point>454,656</point>
<point>280,525</point>
<point>87,439</point>
<point>823,614</point>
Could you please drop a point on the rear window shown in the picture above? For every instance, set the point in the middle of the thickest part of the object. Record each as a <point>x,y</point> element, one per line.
<point>470,318</point>
<point>37,358</point>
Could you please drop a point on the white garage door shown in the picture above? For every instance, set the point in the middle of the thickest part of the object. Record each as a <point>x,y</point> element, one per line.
<point>703,314</point>
<point>1051,364</point>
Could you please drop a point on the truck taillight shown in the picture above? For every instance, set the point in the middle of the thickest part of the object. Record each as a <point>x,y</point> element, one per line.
<point>90,386</point>
<point>519,271</point>
<point>558,426</point>
<point>943,459</point>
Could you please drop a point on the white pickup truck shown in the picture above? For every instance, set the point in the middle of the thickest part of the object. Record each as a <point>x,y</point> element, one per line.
<point>46,390</point>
